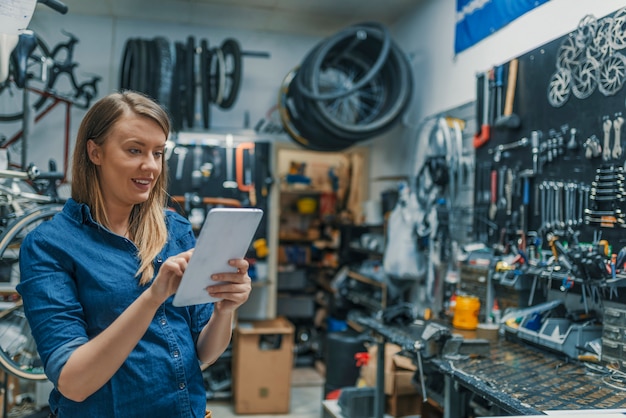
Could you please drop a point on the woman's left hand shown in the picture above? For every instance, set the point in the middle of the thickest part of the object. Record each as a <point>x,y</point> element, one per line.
<point>234,289</point>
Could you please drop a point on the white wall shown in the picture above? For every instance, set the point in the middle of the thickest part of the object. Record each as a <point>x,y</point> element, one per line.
<point>445,81</point>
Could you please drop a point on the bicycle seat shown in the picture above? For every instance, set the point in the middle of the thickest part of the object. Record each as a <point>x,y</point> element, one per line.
<point>25,46</point>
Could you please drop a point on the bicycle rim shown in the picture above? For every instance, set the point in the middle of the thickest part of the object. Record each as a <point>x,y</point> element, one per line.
<point>232,72</point>
<point>12,238</point>
<point>18,351</point>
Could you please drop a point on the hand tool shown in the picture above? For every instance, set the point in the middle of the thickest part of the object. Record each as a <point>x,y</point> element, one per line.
<point>501,182</point>
<point>493,207</point>
<point>499,83</point>
<point>497,151</point>
<point>572,144</point>
<point>245,172</point>
<point>534,143</point>
<point>196,173</point>
<point>510,120</point>
<point>508,190</point>
<point>230,182</point>
<point>481,137</point>
<point>606,151</point>
<point>617,142</point>
<point>182,153</point>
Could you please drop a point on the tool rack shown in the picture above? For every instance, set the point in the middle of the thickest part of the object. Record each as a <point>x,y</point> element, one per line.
<point>549,183</point>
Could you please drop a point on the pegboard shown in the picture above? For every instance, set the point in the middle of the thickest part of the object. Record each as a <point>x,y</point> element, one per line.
<point>565,93</point>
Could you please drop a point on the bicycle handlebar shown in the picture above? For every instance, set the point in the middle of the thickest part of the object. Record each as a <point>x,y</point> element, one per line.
<point>55,5</point>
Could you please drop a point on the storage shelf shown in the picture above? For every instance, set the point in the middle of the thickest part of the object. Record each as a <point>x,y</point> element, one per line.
<point>365,279</point>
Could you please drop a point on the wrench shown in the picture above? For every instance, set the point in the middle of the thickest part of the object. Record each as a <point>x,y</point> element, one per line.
<point>508,190</point>
<point>493,206</point>
<point>180,164</point>
<point>497,151</point>
<point>606,151</point>
<point>617,144</point>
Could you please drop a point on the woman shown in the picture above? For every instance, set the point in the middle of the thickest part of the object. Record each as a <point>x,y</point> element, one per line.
<point>97,280</point>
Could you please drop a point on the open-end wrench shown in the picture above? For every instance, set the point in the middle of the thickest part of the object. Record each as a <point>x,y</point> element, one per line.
<point>493,206</point>
<point>508,190</point>
<point>606,148</point>
<point>501,183</point>
<point>497,151</point>
<point>617,141</point>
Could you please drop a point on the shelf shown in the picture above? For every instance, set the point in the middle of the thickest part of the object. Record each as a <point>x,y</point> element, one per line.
<point>366,251</point>
<point>303,191</point>
<point>365,279</point>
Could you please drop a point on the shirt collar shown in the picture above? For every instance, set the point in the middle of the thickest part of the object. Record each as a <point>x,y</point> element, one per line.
<point>80,212</point>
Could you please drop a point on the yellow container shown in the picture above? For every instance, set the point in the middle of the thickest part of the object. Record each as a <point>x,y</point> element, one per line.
<point>466,312</point>
<point>307,205</point>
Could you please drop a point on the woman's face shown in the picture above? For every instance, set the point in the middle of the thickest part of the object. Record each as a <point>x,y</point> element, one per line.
<point>129,161</point>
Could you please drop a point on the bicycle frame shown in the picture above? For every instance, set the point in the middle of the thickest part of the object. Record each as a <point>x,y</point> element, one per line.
<point>56,100</point>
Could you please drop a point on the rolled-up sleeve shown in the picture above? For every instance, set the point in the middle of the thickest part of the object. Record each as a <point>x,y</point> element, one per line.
<point>51,304</point>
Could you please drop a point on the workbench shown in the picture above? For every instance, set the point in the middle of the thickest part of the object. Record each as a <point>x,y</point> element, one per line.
<point>515,378</point>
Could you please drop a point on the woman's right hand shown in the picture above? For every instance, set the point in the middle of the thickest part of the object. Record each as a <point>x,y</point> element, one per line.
<point>168,279</point>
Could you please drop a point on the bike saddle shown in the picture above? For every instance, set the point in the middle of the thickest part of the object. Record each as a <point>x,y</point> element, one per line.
<point>25,46</point>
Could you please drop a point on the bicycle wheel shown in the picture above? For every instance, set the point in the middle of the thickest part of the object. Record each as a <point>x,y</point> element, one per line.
<point>12,238</point>
<point>18,350</point>
<point>12,97</point>
<point>232,72</point>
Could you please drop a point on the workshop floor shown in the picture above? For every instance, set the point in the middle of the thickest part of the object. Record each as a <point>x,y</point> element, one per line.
<point>307,387</point>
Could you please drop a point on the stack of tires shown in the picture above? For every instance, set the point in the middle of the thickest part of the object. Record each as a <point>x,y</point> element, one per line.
<point>184,76</point>
<point>351,87</point>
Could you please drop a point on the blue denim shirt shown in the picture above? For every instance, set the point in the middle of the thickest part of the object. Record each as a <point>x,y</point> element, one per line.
<point>76,279</point>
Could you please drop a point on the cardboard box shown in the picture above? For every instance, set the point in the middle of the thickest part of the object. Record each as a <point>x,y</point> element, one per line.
<point>399,370</point>
<point>401,397</point>
<point>262,365</point>
<point>403,405</point>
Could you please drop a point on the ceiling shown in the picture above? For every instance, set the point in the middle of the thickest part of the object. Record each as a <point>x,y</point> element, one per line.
<point>303,17</point>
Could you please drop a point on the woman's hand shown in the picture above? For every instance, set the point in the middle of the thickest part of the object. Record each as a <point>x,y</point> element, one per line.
<point>168,279</point>
<point>235,288</point>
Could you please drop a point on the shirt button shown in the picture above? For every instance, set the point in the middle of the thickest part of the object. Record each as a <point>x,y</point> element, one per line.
<point>181,386</point>
<point>175,354</point>
<point>163,322</point>
<point>159,260</point>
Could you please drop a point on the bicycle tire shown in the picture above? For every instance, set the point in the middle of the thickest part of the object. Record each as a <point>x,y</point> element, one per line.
<point>178,97</point>
<point>205,83</point>
<point>396,75</point>
<point>125,68</point>
<point>19,356</point>
<point>319,59</point>
<point>190,82</point>
<point>348,109</point>
<point>165,65</point>
<point>18,351</point>
<point>303,133</point>
<point>15,231</point>
<point>218,75</point>
<point>232,71</point>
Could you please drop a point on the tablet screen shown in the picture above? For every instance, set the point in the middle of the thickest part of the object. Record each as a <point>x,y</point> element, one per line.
<point>226,234</point>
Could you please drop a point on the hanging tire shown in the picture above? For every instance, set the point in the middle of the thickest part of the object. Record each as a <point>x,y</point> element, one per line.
<point>232,72</point>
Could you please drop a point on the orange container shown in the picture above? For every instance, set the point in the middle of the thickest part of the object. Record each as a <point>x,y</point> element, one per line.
<point>466,312</point>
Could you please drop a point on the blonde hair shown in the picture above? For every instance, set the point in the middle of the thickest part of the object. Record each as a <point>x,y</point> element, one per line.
<point>147,222</point>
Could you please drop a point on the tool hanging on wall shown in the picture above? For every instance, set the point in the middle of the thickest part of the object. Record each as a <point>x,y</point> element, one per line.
<point>510,120</point>
<point>483,134</point>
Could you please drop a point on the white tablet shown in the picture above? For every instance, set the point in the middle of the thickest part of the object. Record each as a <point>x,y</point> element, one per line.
<point>226,234</point>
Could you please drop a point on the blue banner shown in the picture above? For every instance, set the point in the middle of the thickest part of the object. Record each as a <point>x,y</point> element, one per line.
<point>477,19</point>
